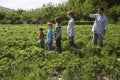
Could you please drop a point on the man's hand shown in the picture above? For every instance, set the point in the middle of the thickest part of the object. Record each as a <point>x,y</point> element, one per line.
<point>86,14</point>
<point>103,33</point>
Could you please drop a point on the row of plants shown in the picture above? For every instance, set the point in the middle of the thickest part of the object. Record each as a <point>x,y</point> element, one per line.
<point>22,59</point>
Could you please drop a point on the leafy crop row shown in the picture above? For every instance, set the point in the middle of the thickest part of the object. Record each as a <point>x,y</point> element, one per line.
<point>22,59</point>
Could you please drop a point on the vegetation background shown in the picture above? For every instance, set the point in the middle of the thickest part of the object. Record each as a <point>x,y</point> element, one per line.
<point>49,12</point>
<point>22,59</point>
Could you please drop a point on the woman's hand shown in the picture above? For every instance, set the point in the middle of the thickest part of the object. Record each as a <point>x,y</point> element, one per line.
<point>86,14</point>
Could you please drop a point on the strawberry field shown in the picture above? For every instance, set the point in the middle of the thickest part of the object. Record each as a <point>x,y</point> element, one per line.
<point>22,59</point>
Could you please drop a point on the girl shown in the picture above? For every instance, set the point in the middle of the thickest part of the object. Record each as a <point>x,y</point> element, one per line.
<point>41,38</point>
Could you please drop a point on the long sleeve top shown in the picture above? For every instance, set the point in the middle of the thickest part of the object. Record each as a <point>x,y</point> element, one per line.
<point>100,23</point>
<point>50,35</point>
<point>70,28</point>
<point>41,37</point>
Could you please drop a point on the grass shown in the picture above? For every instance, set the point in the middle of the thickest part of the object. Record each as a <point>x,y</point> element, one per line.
<point>22,59</point>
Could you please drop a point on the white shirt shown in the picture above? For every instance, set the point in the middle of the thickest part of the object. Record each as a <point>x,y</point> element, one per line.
<point>70,28</point>
<point>100,23</point>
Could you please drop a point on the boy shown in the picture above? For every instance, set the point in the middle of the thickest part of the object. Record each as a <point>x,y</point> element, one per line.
<point>70,29</point>
<point>49,36</point>
<point>58,33</point>
<point>41,38</point>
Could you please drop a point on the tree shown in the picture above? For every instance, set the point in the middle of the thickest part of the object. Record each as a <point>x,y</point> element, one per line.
<point>2,14</point>
<point>77,7</point>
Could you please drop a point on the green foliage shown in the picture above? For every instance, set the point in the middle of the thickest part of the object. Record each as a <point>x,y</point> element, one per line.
<point>2,14</point>
<point>114,13</point>
<point>22,59</point>
<point>49,11</point>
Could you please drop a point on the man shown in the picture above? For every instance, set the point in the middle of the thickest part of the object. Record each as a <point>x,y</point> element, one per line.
<point>99,27</point>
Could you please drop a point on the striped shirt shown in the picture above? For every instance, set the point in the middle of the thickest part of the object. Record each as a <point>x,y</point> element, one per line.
<point>57,30</point>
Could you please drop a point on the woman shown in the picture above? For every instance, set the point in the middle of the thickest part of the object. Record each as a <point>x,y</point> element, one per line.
<point>70,29</point>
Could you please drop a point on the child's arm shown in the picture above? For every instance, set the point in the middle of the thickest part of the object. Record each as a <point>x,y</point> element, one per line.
<point>39,37</point>
<point>49,35</point>
<point>59,34</point>
<point>43,36</point>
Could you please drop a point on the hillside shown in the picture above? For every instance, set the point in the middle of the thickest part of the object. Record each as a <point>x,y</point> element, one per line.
<point>8,9</point>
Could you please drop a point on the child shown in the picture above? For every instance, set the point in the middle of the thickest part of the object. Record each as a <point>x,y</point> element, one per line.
<point>58,33</point>
<point>49,36</point>
<point>41,38</point>
<point>70,29</point>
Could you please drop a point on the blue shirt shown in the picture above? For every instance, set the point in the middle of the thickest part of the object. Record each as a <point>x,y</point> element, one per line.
<point>50,35</point>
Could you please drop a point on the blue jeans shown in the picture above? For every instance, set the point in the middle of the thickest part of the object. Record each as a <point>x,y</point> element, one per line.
<point>98,38</point>
<point>42,44</point>
<point>50,45</point>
